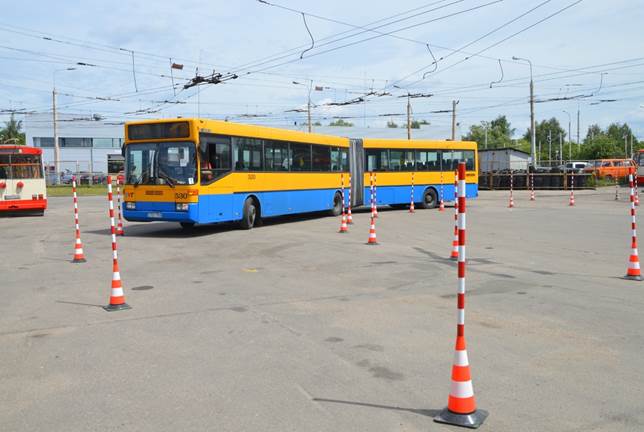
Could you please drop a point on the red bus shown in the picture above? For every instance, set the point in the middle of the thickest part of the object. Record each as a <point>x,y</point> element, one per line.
<point>639,161</point>
<point>22,183</point>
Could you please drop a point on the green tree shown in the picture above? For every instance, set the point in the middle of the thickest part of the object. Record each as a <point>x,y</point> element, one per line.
<point>392,124</point>
<point>546,129</point>
<point>499,133</point>
<point>341,122</point>
<point>11,133</point>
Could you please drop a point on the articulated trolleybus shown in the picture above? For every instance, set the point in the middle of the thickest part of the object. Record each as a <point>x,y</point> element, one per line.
<point>22,183</point>
<point>206,171</point>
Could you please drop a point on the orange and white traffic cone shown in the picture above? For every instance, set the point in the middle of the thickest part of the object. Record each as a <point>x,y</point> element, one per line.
<point>616,189</point>
<point>119,227</point>
<point>441,202</point>
<point>511,205</point>
<point>117,296</point>
<point>344,227</point>
<point>461,406</point>
<point>571,202</point>
<point>349,216</point>
<point>79,256</point>
<point>454,254</point>
<point>633,270</point>
<point>372,233</point>
<point>411,205</point>
<point>532,197</point>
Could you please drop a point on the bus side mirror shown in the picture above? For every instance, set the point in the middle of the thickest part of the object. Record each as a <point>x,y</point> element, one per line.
<point>123,151</point>
<point>203,147</point>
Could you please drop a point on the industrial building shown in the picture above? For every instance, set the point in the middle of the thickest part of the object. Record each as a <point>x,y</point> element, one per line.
<point>84,140</point>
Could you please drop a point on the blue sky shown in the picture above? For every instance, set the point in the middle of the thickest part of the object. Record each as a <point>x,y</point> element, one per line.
<point>567,52</point>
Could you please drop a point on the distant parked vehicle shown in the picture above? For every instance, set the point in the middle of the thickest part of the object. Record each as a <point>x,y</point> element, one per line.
<point>66,177</point>
<point>97,178</point>
<point>574,167</point>
<point>611,168</point>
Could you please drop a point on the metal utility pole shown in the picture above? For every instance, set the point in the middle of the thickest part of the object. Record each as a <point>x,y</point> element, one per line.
<point>560,150</point>
<point>632,154</point>
<point>408,117</point>
<point>56,147</point>
<point>454,103</point>
<point>626,146</point>
<point>308,104</point>
<point>486,135</point>
<point>578,141</point>
<point>55,125</point>
<point>533,137</point>
<point>569,135</point>
<point>550,146</point>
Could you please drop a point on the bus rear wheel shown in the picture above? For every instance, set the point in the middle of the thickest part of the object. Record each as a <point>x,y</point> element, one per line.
<point>337,204</point>
<point>250,215</point>
<point>430,199</point>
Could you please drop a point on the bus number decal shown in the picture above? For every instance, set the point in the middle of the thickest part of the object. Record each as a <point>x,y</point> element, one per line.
<point>181,195</point>
<point>252,176</point>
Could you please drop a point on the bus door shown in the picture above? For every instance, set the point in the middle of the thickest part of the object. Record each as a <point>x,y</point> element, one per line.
<point>215,161</point>
<point>356,167</point>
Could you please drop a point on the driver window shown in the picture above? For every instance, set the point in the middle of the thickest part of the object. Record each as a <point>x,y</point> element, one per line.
<point>217,159</point>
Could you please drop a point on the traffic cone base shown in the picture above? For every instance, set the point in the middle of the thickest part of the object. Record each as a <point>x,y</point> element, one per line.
<point>78,260</point>
<point>472,420</point>
<point>633,277</point>
<point>117,307</point>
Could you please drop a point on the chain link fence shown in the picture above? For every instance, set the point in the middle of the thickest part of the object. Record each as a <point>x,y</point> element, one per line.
<point>68,169</point>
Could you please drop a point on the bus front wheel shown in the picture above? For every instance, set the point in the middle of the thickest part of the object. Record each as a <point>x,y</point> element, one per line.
<point>430,199</point>
<point>250,216</point>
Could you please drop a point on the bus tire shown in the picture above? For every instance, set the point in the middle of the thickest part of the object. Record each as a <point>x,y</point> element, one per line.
<point>187,225</point>
<point>337,204</point>
<point>250,214</point>
<point>430,199</point>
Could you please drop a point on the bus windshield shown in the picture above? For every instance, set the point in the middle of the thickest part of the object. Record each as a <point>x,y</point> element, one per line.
<point>20,166</point>
<point>168,163</point>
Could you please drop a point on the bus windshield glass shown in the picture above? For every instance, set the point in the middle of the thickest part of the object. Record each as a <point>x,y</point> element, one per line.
<point>164,163</point>
<point>20,166</point>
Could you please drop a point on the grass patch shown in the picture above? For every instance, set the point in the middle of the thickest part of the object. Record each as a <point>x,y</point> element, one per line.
<point>83,190</point>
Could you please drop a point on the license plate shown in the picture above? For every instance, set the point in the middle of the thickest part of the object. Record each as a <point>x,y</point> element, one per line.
<point>11,197</point>
<point>154,215</point>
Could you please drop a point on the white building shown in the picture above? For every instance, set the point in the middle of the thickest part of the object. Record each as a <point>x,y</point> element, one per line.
<point>503,159</point>
<point>84,141</point>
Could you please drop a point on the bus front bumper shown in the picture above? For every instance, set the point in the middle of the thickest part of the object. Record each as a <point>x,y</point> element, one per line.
<point>24,204</point>
<point>160,211</point>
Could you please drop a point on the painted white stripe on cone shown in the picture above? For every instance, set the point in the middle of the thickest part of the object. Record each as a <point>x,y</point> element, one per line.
<point>114,255</point>
<point>461,221</point>
<point>116,276</point>
<point>462,389</point>
<point>634,252</point>
<point>460,358</point>
<point>117,292</point>
<point>460,316</point>
<point>78,241</point>
<point>633,265</point>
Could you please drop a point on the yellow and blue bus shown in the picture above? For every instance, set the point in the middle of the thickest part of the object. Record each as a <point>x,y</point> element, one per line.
<point>207,171</point>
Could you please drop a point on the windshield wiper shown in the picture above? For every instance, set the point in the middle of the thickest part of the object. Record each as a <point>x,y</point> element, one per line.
<point>167,178</point>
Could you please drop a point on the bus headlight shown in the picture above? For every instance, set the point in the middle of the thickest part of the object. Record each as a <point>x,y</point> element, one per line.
<point>130,205</point>
<point>182,206</point>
